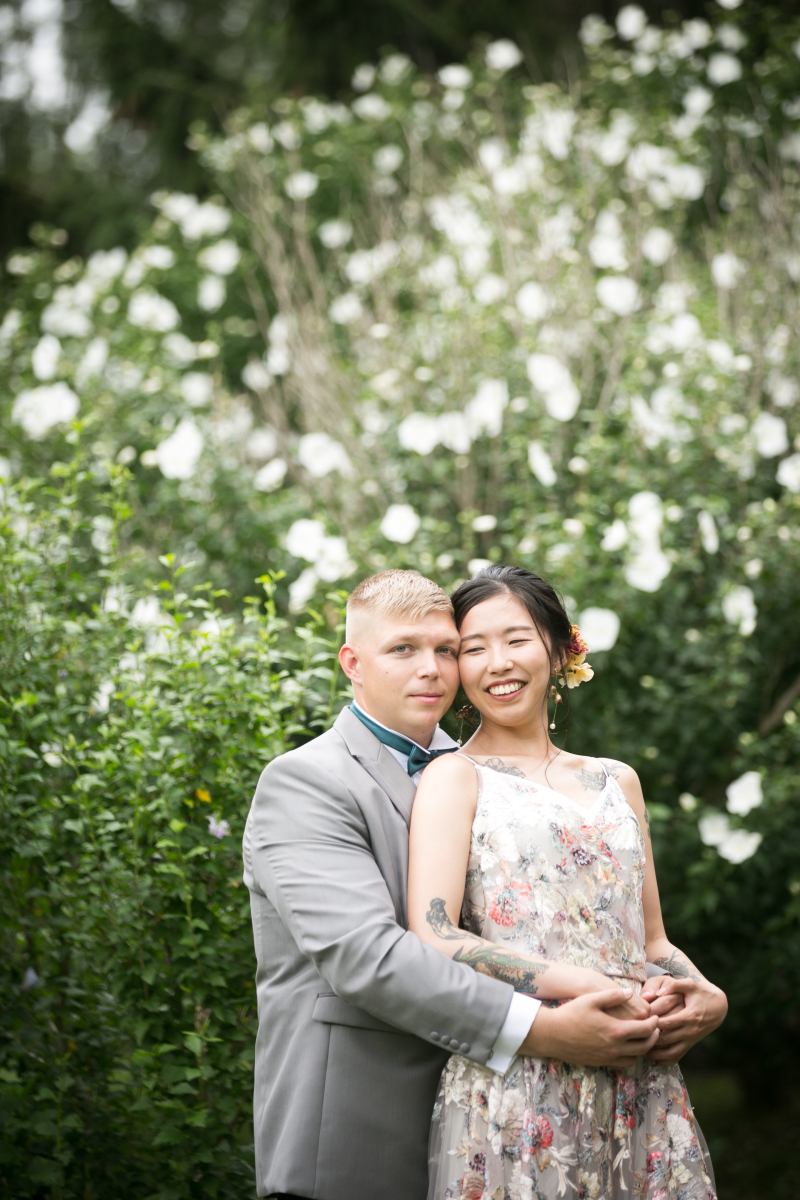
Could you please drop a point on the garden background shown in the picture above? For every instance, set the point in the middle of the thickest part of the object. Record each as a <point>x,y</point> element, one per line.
<point>295,293</point>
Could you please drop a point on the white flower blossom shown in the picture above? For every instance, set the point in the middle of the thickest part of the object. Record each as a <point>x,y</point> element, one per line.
<point>615,536</point>
<point>502,55</point>
<point>387,159</point>
<point>783,391</point>
<point>346,309</point>
<point>334,561</point>
<point>419,432</point>
<point>726,269</point>
<point>489,289</point>
<point>179,350</point>
<point>739,608</point>
<point>540,464</point>
<point>46,356</point>
<point>455,76</point>
<point>533,301</point>
<point>744,794</point>
<point>739,845</point>
<point>372,107</point>
<point>730,37</point>
<point>211,293</point>
<point>789,473</point>
<point>619,294</point>
<point>260,138</point>
<point>221,257</point>
<point>363,78</point>
<point>485,523</point>
<point>484,412</point>
<point>440,274</point>
<point>477,564</point>
<point>769,434</point>
<point>38,410</point>
<point>648,566</point>
<point>302,589</point>
<point>607,247</point>
<point>713,827</point>
<point>400,523</point>
<point>94,359</point>
<point>708,531</point>
<point>271,475</point>
<point>698,101</point>
<point>723,68</point>
<point>631,22</point>
<point>149,310</point>
<point>301,185</point>
<point>320,454</point>
<point>594,31</point>
<point>305,538</point>
<point>364,266</point>
<point>334,234</point>
<point>658,245</point>
<point>394,69</point>
<point>256,376</point>
<point>261,443</point>
<point>177,455</point>
<point>197,388</point>
<point>599,628</point>
<point>552,379</point>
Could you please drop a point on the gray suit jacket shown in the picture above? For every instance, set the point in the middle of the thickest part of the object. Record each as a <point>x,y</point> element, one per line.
<point>356,1016</point>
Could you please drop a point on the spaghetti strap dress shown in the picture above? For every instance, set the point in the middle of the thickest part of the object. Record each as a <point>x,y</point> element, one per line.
<point>551,877</point>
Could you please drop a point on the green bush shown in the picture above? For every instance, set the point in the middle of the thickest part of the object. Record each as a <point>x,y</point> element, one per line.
<point>129,759</point>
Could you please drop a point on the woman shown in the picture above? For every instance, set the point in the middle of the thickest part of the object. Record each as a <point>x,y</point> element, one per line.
<point>561,897</point>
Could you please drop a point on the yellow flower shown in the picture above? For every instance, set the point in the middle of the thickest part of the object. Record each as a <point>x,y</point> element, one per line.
<point>203,795</point>
<point>578,672</point>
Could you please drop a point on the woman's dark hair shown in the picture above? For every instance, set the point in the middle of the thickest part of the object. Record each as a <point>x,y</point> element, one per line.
<point>539,597</point>
<point>535,594</point>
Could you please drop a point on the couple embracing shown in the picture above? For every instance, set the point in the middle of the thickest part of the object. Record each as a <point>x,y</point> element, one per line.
<point>465,989</point>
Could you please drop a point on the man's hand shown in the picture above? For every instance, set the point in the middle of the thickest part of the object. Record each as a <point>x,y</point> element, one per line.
<point>585,1031</point>
<point>704,1008</point>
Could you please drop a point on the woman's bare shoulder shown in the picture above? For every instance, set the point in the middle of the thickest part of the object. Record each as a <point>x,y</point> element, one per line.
<point>449,768</point>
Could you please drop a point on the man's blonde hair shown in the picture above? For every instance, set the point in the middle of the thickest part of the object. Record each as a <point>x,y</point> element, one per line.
<point>396,594</point>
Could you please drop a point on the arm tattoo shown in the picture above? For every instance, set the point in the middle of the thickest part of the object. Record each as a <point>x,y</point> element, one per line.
<point>497,764</point>
<point>484,957</point>
<point>647,820</point>
<point>678,966</point>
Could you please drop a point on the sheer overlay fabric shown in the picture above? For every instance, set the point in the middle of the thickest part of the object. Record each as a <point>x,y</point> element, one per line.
<point>549,876</point>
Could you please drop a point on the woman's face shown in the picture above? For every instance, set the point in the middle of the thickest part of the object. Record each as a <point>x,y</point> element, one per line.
<point>504,664</point>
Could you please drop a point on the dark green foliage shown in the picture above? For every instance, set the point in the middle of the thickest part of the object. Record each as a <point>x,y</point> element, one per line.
<point>126,1059</point>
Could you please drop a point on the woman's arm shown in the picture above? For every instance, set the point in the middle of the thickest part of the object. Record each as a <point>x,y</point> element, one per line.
<point>705,1004</point>
<point>441,825</point>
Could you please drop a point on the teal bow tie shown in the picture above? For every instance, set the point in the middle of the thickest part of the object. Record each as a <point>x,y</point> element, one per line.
<point>417,757</point>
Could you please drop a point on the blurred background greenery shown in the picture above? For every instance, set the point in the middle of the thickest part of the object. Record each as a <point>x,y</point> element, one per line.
<point>311,289</point>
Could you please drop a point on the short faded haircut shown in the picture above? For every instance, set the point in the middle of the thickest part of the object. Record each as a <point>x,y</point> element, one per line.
<point>396,594</point>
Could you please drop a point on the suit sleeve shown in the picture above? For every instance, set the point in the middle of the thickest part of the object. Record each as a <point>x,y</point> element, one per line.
<point>307,849</point>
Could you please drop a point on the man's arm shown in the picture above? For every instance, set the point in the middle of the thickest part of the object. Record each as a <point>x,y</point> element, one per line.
<point>309,852</point>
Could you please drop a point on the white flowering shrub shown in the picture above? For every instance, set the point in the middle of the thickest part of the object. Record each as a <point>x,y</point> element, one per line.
<point>467,319</point>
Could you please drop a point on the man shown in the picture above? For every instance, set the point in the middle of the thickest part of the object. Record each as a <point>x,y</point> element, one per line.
<point>356,1016</point>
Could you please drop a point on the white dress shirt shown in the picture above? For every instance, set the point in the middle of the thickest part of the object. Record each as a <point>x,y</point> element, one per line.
<point>523,1009</point>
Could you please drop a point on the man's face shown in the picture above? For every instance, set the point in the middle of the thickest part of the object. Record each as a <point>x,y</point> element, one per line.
<point>404,672</point>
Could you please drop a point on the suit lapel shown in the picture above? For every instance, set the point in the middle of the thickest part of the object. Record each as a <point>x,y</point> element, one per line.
<point>377,762</point>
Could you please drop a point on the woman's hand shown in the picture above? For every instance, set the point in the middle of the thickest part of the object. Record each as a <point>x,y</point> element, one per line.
<point>704,1009</point>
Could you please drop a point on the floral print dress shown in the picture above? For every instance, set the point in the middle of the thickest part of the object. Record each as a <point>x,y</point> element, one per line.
<point>551,877</point>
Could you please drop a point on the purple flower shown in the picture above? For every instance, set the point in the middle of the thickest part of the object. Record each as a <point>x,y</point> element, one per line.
<point>218,829</point>
<point>29,979</point>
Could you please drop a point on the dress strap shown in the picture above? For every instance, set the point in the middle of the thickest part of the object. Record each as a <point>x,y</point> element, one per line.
<point>606,771</point>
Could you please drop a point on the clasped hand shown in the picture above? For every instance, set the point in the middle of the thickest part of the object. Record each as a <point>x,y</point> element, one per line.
<point>607,1027</point>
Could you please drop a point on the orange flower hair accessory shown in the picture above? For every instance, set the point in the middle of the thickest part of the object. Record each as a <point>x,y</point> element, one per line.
<point>576,670</point>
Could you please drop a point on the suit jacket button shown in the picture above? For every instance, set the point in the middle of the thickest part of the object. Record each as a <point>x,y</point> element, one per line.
<point>453,1043</point>
<point>464,1048</point>
<point>435,1036</point>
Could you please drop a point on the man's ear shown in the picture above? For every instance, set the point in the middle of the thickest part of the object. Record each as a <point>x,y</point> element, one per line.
<point>348,660</point>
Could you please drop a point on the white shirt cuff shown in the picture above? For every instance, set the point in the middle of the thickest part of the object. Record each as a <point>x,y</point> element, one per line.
<point>520,1016</point>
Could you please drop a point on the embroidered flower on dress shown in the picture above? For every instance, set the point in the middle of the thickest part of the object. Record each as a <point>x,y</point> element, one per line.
<point>509,901</point>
